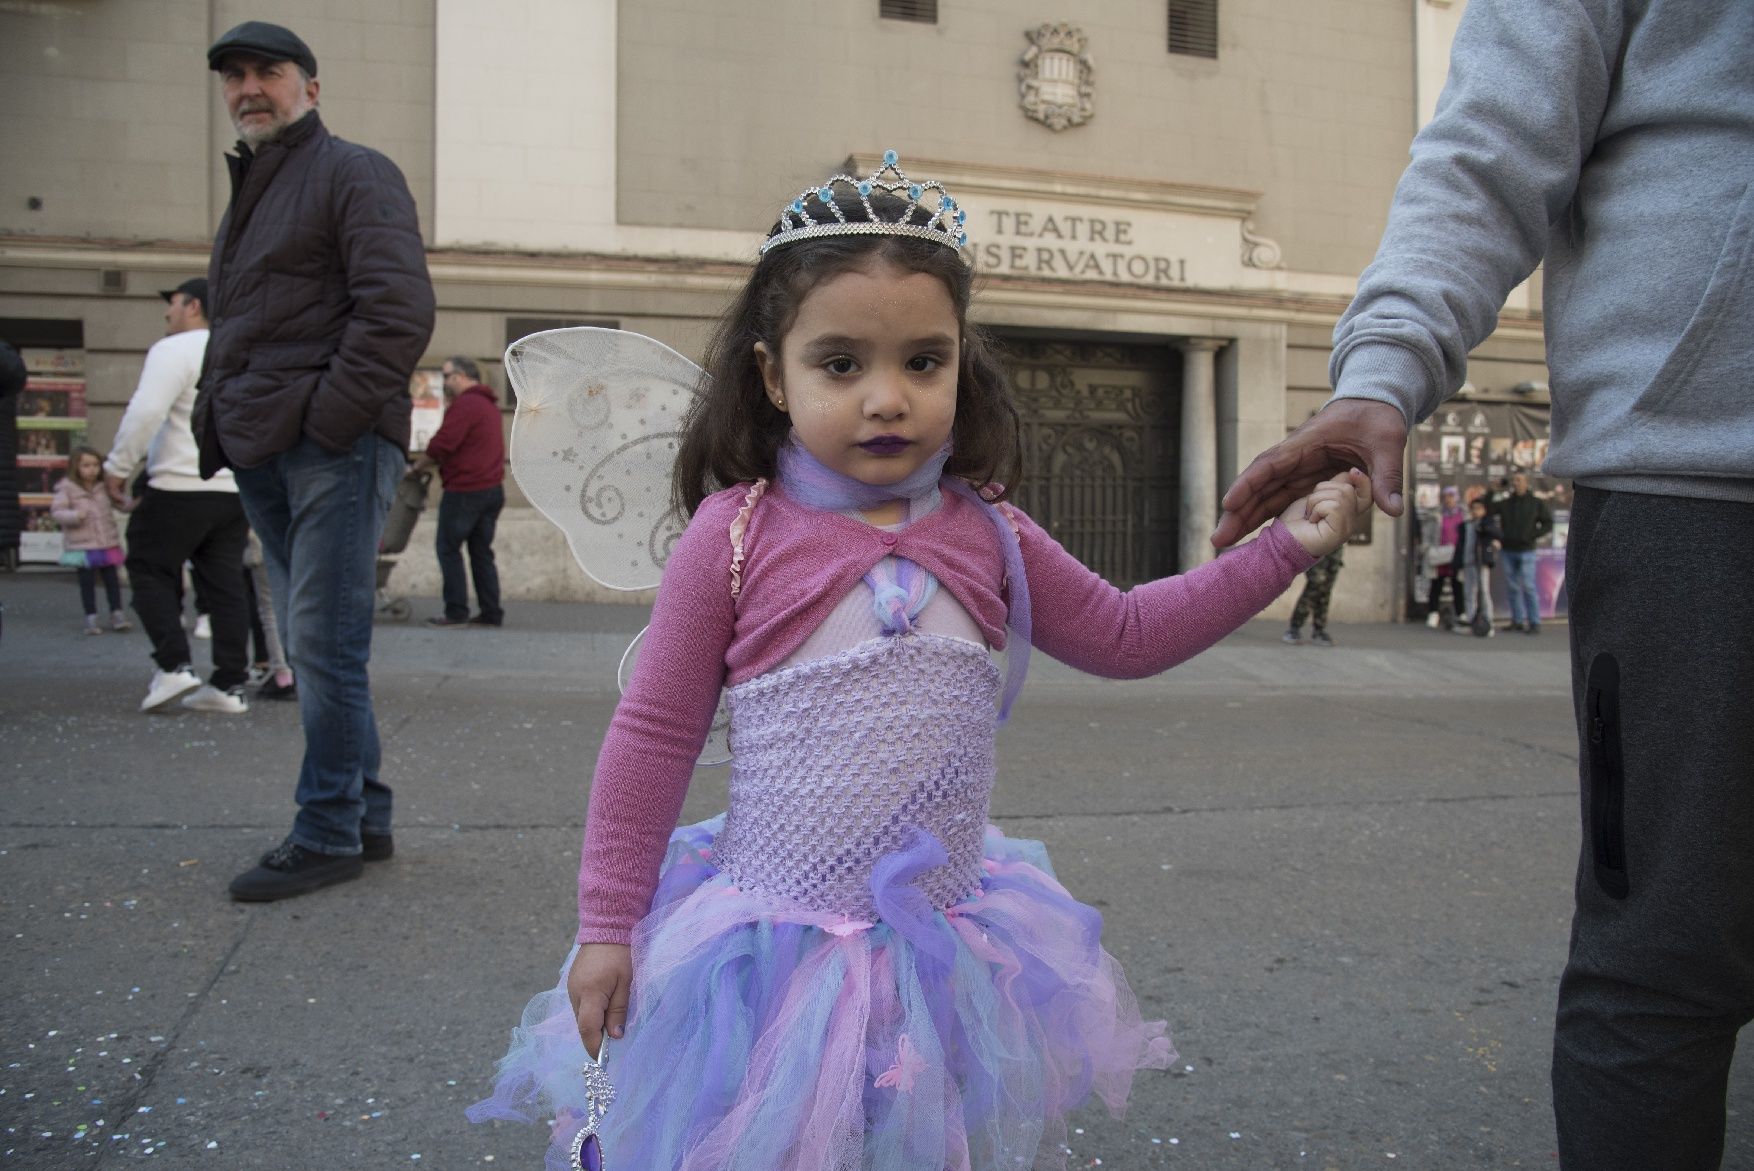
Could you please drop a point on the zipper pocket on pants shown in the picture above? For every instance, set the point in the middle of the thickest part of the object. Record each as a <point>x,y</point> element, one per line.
<point>1607,787</point>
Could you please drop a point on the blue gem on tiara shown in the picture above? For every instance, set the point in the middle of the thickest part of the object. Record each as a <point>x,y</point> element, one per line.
<point>941,221</point>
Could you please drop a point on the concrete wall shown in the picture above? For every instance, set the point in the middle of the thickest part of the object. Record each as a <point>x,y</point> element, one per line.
<point>110,116</point>
<point>728,107</point>
<point>525,150</point>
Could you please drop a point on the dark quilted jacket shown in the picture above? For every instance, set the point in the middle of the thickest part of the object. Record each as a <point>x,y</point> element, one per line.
<point>321,303</point>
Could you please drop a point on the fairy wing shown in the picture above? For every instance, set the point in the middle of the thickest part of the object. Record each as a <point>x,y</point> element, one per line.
<point>594,438</point>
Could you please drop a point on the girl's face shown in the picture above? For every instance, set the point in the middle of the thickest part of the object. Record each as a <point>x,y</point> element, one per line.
<point>867,371</point>
<point>87,469</point>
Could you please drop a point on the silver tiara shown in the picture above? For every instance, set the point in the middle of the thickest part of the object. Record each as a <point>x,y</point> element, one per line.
<point>945,225</point>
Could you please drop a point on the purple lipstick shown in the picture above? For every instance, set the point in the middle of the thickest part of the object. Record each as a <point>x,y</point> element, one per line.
<point>886,445</point>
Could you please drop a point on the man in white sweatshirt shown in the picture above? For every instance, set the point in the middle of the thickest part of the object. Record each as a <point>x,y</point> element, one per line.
<point>181,518</point>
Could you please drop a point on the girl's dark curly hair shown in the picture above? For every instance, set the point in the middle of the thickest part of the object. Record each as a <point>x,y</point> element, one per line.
<point>732,433</point>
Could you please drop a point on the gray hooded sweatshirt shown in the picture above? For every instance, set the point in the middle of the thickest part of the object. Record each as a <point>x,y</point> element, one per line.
<point>1614,139</point>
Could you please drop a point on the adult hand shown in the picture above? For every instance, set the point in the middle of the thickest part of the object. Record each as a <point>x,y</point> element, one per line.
<point>1347,433</point>
<point>597,984</point>
<point>117,488</point>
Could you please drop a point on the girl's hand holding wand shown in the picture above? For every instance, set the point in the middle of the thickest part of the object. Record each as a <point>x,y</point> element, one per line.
<point>597,985</point>
<point>1327,517</point>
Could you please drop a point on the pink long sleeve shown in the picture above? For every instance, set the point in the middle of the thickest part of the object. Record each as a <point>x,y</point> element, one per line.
<point>1085,622</point>
<point>658,730</point>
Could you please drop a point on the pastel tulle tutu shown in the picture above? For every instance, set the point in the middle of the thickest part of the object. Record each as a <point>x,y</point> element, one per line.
<point>765,1037</point>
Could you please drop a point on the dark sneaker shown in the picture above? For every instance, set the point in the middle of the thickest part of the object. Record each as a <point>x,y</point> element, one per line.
<point>484,620</point>
<point>447,623</point>
<point>376,847</point>
<point>1293,636</point>
<point>1532,628</point>
<point>1515,628</point>
<point>1320,638</point>
<point>274,689</point>
<point>289,870</point>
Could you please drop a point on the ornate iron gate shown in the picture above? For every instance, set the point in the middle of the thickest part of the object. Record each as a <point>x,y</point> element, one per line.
<point>1101,432</point>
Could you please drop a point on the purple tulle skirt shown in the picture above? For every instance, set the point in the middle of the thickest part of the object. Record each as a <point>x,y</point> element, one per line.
<point>766,1037</point>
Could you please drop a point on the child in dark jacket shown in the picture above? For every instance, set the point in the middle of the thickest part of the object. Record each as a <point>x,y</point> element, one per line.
<point>1476,554</point>
<point>90,540</point>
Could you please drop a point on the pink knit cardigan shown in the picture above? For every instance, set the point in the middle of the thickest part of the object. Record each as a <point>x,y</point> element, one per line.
<point>797,563</point>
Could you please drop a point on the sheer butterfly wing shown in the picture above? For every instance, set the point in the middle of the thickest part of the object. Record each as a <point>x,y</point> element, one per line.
<point>594,440</point>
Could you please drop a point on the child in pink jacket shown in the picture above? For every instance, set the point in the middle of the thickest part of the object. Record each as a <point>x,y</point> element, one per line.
<point>90,540</point>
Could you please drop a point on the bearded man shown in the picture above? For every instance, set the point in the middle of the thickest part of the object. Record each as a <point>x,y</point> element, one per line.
<point>322,307</point>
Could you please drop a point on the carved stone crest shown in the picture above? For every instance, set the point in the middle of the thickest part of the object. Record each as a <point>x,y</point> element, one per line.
<point>1054,84</point>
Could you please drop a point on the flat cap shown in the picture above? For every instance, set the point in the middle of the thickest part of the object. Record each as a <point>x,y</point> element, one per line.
<point>264,40</point>
<point>195,289</point>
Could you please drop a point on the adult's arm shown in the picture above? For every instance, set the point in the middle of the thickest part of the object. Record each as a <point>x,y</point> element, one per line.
<point>448,439</point>
<point>378,234</point>
<point>1082,620</point>
<point>1490,175</point>
<point>658,730</point>
<point>164,377</point>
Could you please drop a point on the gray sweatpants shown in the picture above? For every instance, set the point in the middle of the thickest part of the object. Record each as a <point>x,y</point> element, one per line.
<point>1661,971</point>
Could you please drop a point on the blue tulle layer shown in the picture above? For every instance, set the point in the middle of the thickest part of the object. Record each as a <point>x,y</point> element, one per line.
<point>763,1036</point>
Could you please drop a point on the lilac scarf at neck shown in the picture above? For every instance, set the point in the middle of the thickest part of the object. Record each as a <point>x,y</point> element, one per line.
<point>809,481</point>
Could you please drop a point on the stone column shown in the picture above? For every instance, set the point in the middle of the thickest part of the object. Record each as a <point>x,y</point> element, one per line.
<point>1199,454</point>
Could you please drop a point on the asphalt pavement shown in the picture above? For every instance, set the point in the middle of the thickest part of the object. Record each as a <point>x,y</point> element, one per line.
<point>1343,875</point>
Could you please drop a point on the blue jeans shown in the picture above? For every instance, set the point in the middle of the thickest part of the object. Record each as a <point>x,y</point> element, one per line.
<point>320,517</point>
<point>1519,581</point>
<point>469,518</point>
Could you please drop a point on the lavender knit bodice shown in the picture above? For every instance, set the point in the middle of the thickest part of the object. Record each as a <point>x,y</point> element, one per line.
<point>839,761</point>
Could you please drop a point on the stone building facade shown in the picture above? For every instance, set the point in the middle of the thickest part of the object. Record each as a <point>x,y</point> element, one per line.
<point>1164,266</point>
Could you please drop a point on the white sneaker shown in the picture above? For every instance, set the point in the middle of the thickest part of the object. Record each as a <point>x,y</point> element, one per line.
<point>203,628</point>
<point>212,699</point>
<point>167,685</point>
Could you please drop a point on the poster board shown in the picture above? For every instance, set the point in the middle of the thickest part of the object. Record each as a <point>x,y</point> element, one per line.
<point>1476,447</point>
<point>51,423</point>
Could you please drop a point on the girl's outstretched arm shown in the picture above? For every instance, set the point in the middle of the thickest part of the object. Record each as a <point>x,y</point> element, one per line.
<point>1083,621</point>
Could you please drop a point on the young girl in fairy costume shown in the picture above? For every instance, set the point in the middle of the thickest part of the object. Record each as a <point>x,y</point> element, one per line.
<point>850,969</point>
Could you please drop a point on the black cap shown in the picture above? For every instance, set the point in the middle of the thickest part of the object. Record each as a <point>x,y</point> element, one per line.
<point>264,40</point>
<point>195,289</point>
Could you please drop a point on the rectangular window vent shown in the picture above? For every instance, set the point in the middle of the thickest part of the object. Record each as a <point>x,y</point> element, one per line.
<point>517,327</point>
<point>919,11</point>
<point>1193,28</point>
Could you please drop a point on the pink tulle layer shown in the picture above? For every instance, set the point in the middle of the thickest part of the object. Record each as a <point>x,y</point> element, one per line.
<point>767,1037</point>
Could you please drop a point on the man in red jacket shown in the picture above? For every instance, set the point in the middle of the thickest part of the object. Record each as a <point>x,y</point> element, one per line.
<point>469,452</point>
